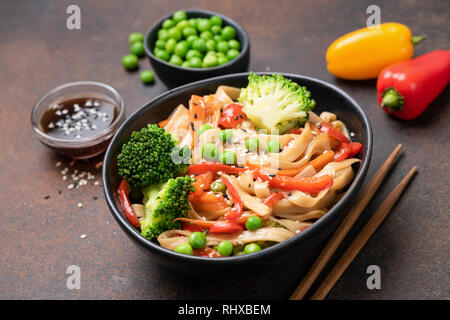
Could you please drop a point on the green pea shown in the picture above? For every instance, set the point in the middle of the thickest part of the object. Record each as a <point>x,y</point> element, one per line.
<point>130,61</point>
<point>189,31</point>
<point>222,46</point>
<point>160,44</point>
<point>135,37</point>
<point>179,16</point>
<point>209,151</point>
<point>251,248</point>
<point>195,62</point>
<point>183,24</point>
<point>211,53</point>
<point>210,45</point>
<point>206,35</point>
<point>232,53</point>
<point>216,21</point>
<point>162,54</point>
<point>234,44</point>
<point>174,33</point>
<point>204,127</point>
<point>225,135</point>
<point>168,23</point>
<point>253,223</point>
<point>209,61</point>
<point>163,34</point>
<point>228,33</point>
<point>216,30</point>
<point>147,76</point>
<point>225,248</point>
<point>184,248</point>
<point>204,25</point>
<point>176,60</point>
<point>221,60</point>
<point>193,22</point>
<point>193,53</point>
<point>137,48</point>
<point>199,45</point>
<point>252,144</point>
<point>227,157</point>
<point>170,45</point>
<point>218,186</point>
<point>273,146</point>
<point>217,38</point>
<point>190,40</point>
<point>185,64</point>
<point>181,48</point>
<point>197,240</point>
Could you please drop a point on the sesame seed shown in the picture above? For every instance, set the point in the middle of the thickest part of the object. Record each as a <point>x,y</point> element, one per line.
<point>58,164</point>
<point>47,197</point>
<point>70,186</point>
<point>80,205</point>
<point>83,236</point>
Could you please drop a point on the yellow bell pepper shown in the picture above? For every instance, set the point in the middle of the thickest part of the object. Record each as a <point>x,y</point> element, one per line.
<point>364,53</point>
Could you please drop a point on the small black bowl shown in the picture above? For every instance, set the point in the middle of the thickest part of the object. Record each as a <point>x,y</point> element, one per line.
<point>308,242</point>
<point>173,75</point>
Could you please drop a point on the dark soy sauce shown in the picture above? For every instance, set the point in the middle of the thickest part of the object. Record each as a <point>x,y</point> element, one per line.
<point>79,118</point>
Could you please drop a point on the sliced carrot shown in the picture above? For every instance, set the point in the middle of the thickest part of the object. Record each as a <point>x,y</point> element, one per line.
<point>209,202</point>
<point>197,109</point>
<point>318,163</point>
<point>202,183</point>
<point>163,123</point>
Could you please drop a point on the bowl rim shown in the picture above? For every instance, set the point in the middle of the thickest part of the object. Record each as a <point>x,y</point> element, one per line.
<point>260,255</point>
<point>229,21</point>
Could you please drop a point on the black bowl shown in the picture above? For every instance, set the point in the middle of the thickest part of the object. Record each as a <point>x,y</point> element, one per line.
<point>173,75</point>
<point>328,98</point>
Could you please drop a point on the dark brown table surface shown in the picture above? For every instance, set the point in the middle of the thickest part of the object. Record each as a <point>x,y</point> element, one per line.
<point>40,238</point>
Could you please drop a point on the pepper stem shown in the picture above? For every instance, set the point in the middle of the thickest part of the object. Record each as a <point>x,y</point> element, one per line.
<point>418,39</point>
<point>392,100</point>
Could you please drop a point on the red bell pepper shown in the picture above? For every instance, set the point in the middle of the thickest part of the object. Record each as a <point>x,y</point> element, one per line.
<point>225,227</point>
<point>222,226</point>
<point>407,88</point>
<point>306,184</point>
<point>202,183</point>
<point>347,150</point>
<point>232,116</point>
<point>214,167</point>
<point>332,132</point>
<point>236,211</point>
<point>124,191</point>
<point>207,252</point>
<point>273,199</point>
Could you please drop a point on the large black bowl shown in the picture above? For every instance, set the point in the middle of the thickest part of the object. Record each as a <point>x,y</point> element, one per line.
<point>173,75</point>
<point>327,97</point>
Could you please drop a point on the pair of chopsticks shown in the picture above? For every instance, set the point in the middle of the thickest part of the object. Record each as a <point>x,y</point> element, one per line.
<point>345,226</point>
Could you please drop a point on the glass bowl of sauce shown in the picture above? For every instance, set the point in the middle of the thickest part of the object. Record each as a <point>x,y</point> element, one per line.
<point>78,119</point>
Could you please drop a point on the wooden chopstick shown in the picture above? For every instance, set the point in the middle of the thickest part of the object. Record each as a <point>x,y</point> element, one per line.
<point>345,226</point>
<point>361,239</point>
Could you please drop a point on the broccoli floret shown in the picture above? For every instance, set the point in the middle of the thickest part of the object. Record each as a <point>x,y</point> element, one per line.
<point>147,158</point>
<point>275,103</point>
<point>163,203</point>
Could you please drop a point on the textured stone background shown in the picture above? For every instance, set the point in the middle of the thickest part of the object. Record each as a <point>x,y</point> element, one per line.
<point>41,238</point>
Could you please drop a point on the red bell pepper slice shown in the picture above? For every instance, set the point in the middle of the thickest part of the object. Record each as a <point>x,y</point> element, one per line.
<point>273,199</point>
<point>347,150</point>
<point>306,184</point>
<point>214,167</point>
<point>236,210</point>
<point>295,131</point>
<point>232,116</point>
<point>207,252</point>
<point>332,132</point>
<point>225,227</point>
<point>124,191</point>
<point>191,227</point>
